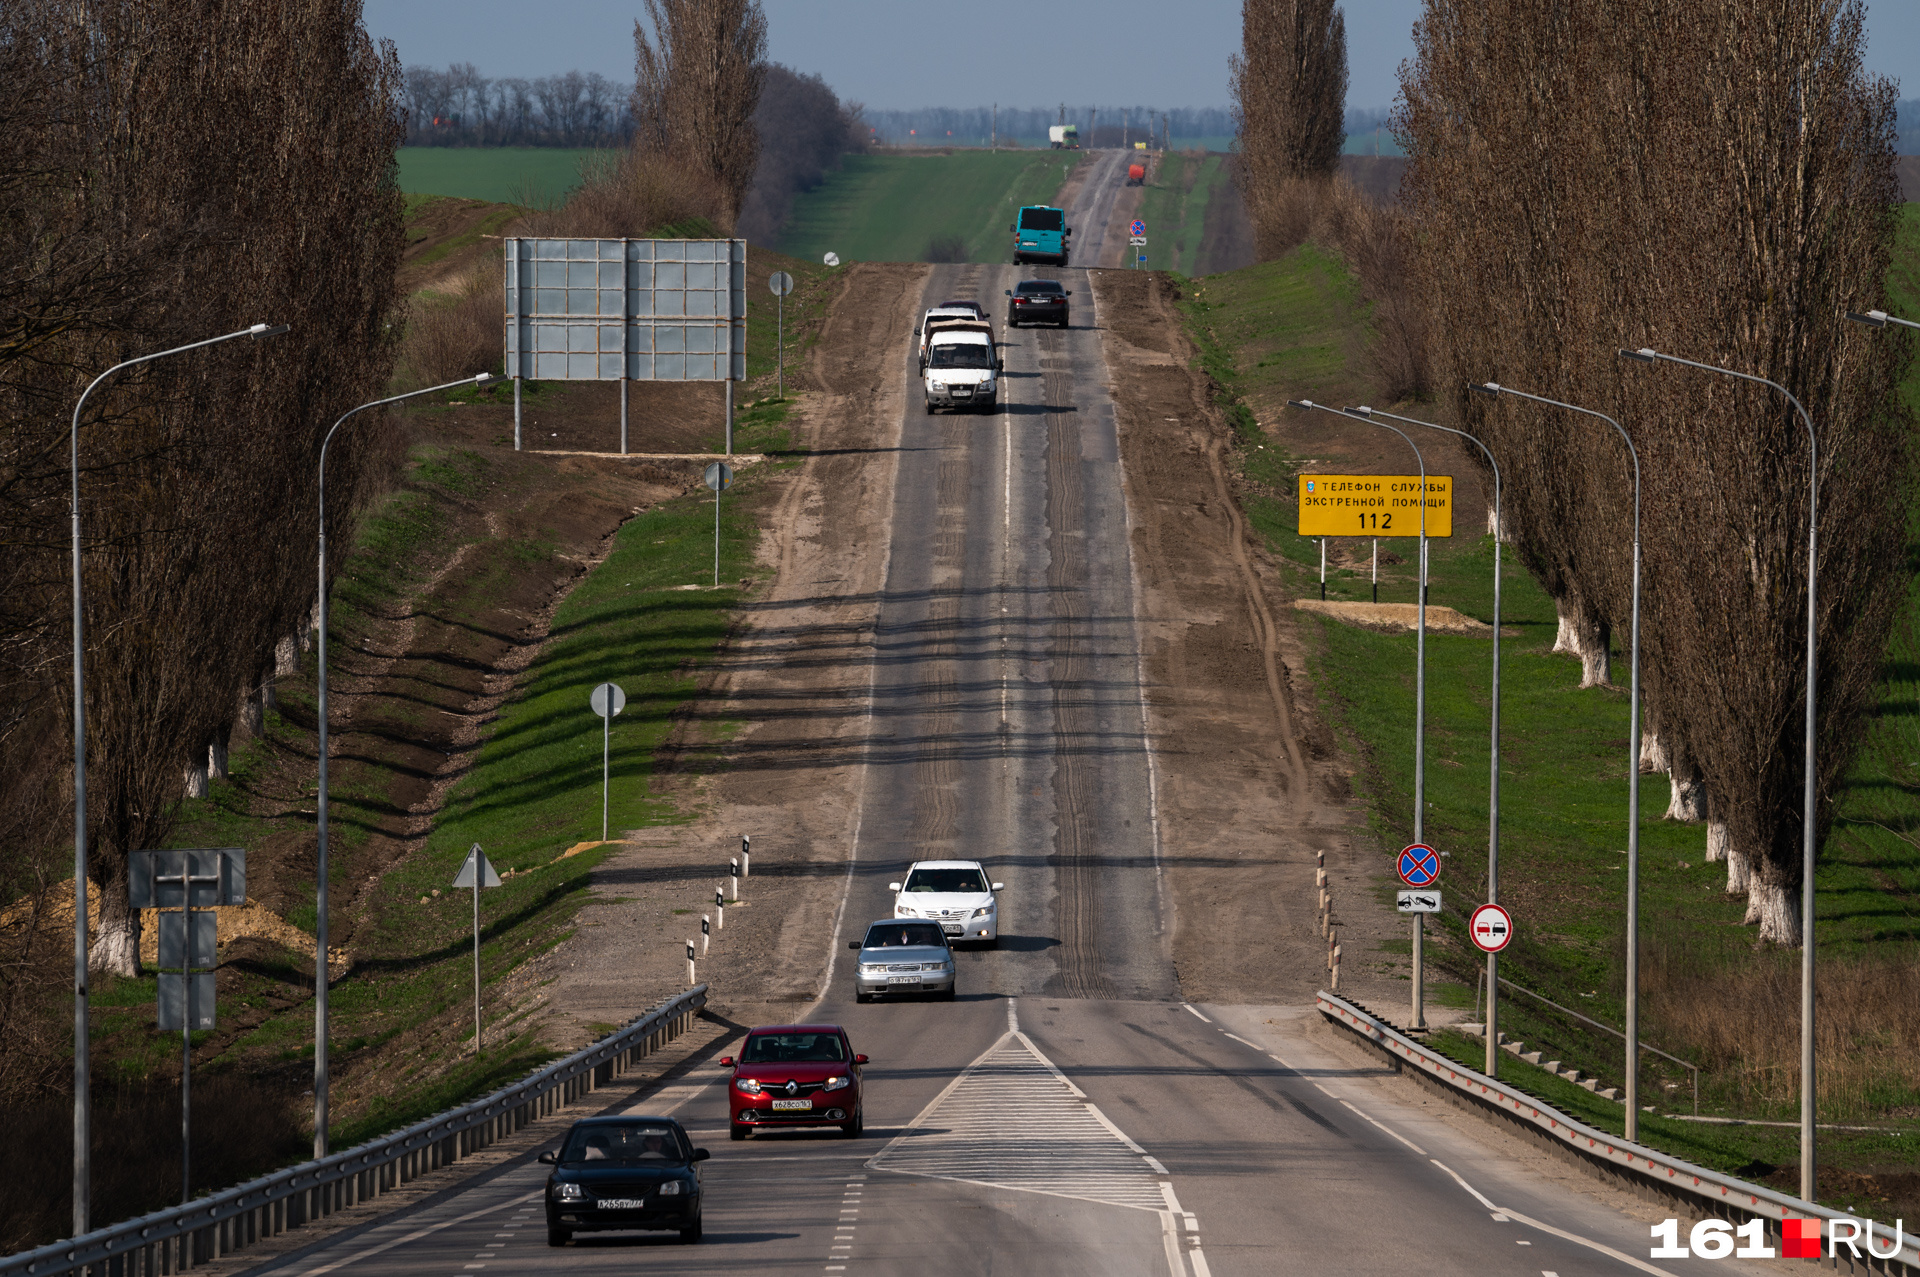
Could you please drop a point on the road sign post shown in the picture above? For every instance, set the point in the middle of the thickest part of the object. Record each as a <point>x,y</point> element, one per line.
<point>607,700</point>
<point>192,881</point>
<point>781,283</point>
<point>719,476</point>
<point>476,872</point>
<point>1419,866</point>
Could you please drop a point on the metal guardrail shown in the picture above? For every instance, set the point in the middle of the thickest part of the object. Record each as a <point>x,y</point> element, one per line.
<point>1717,1194</point>
<point>172,1240</point>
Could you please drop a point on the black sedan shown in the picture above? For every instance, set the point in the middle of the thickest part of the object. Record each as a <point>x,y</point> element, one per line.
<point>625,1173</point>
<point>1037,301</point>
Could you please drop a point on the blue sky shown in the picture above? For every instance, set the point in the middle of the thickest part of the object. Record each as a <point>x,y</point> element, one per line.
<point>900,54</point>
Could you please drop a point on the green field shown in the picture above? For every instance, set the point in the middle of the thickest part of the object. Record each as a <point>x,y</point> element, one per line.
<point>891,208</point>
<point>1175,208</point>
<point>497,174</point>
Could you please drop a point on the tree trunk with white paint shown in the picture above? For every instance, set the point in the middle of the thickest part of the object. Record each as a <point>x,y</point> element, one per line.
<point>115,947</point>
<point>1653,756</point>
<point>286,656</point>
<point>1687,801</point>
<point>217,753</point>
<point>1774,905</point>
<point>1717,845</point>
<point>196,777</point>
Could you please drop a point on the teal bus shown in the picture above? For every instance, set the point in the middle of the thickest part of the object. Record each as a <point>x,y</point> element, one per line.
<point>1041,235</point>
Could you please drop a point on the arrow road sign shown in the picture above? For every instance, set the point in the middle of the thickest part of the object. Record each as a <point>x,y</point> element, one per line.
<point>1419,902</point>
<point>1419,866</point>
<point>1491,927</point>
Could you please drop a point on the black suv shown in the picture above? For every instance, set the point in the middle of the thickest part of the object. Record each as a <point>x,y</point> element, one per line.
<point>1037,300</point>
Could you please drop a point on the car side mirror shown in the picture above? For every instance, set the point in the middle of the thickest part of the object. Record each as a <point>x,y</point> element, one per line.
<point>859,1059</point>
<point>999,365</point>
<point>726,1061</point>
<point>893,886</point>
<point>1069,230</point>
<point>1007,291</point>
<point>999,886</point>
<point>916,330</point>
<point>1069,292</point>
<point>853,944</point>
<point>1013,229</point>
<point>548,1159</point>
<point>701,1155</point>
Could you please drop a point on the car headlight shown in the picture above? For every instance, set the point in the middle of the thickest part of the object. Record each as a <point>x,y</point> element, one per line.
<point>671,1188</point>
<point>981,913</point>
<point>569,1193</point>
<point>839,1083</point>
<point>873,968</point>
<point>746,1086</point>
<point>936,385</point>
<point>904,911</point>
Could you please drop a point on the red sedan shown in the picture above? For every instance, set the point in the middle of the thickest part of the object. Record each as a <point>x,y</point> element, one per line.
<point>795,1075</point>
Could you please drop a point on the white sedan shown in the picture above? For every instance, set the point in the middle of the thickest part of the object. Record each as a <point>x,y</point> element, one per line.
<point>954,893</point>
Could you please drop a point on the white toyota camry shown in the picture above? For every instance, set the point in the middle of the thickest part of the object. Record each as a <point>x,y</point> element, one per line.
<point>954,893</point>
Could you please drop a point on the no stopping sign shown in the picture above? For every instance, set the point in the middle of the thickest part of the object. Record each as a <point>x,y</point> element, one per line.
<point>1491,927</point>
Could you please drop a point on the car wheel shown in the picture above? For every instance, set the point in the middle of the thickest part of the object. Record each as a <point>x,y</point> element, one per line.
<point>736,1131</point>
<point>952,989</point>
<point>558,1236</point>
<point>1064,321</point>
<point>929,407</point>
<point>853,1128</point>
<point>862,997</point>
<point>688,1236</point>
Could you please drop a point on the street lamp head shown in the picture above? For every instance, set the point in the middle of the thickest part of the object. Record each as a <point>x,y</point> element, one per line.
<point>1491,389</point>
<point>1872,319</point>
<point>1646,354</point>
<point>1301,403</point>
<point>1362,411</point>
<point>484,378</point>
<point>268,330</point>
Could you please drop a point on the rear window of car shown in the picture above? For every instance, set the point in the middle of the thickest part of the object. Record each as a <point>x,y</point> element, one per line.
<point>970,307</point>
<point>1042,287</point>
<point>896,935</point>
<point>946,880</point>
<point>787,1048</point>
<point>1042,219</point>
<point>625,1142</point>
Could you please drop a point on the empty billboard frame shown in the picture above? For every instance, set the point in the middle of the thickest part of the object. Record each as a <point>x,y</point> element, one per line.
<point>626,309</point>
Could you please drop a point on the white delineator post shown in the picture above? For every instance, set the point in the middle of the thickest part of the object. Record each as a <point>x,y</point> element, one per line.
<point>691,975</point>
<point>746,855</point>
<point>733,869</point>
<point>705,933</point>
<point>719,910</point>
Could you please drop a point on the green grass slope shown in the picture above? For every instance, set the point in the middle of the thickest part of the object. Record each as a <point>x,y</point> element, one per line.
<point>1175,208</point>
<point>497,174</point>
<point>889,208</point>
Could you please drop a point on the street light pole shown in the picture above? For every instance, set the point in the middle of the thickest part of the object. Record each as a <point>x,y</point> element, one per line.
<point>320,1076</point>
<point>82,1106</point>
<point>1807,1090</point>
<point>1491,1025</point>
<point>1495,389</point>
<point>1419,1018</point>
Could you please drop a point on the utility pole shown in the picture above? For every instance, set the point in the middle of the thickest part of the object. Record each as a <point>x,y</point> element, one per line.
<point>994,144</point>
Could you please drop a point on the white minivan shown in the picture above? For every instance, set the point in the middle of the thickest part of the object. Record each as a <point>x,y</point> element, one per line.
<point>954,893</point>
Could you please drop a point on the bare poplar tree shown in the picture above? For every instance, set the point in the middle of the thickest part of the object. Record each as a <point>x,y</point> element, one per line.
<point>697,82</point>
<point>1289,88</point>
<point>1710,181</point>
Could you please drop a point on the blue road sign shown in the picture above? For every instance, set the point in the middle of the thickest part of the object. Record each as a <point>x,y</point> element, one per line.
<point>1138,227</point>
<point>1419,866</point>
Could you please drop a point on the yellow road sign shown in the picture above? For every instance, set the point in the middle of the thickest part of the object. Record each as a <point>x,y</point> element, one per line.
<point>1373,505</point>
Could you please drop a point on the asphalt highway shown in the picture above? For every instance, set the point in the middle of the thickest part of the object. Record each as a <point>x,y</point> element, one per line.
<point>1068,1113</point>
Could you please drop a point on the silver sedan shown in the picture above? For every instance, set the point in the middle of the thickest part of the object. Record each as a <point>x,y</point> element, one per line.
<point>903,957</point>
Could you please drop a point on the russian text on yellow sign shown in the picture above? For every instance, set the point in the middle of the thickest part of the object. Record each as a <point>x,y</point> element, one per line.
<point>1374,505</point>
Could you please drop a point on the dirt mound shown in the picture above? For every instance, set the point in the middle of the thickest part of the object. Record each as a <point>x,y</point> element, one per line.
<point>1401,618</point>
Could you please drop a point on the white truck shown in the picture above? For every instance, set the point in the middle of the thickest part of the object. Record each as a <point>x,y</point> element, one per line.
<point>1064,137</point>
<point>960,364</point>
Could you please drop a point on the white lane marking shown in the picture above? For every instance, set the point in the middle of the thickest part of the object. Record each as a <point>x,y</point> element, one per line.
<point>1158,1169</point>
<point>1277,1060</point>
<point>1477,1195</point>
<point>1013,1016</point>
<point>1550,1230</point>
<point>1324,1091</point>
<point>1189,1006</point>
<point>1389,1130</point>
<point>1170,1239</point>
<point>1242,1041</point>
<point>1193,1252</point>
<point>418,1233</point>
<point>1010,1120</point>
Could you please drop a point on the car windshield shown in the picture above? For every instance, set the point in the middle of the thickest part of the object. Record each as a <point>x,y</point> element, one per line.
<point>1041,288</point>
<point>1042,219</point>
<point>895,935</point>
<point>946,880</point>
<point>624,1142</point>
<point>960,356</point>
<point>786,1048</point>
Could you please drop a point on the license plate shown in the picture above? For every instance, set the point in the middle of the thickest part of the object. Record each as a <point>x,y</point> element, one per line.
<point>781,1106</point>
<point>621,1203</point>
<point>963,392</point>
<point>903,979</point>
<point>952,928</point>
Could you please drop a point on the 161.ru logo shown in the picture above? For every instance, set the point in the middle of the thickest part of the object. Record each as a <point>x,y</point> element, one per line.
<point>1799,1239</point>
